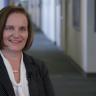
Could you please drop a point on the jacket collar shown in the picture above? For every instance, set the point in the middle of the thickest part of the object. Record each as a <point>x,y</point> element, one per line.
<point>31,73</point>
<point>5,80</point>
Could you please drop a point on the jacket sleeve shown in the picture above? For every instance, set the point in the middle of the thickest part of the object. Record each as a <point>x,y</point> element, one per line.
<point>46,80</point>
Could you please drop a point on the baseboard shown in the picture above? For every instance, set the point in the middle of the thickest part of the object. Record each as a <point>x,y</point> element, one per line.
<point>81,71</point>
<point>91,75</point>
<point>76,66</point>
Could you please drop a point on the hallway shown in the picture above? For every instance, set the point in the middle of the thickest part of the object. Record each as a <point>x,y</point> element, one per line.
<point>66,78</point>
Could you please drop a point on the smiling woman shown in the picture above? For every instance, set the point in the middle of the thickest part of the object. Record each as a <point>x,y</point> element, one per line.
<point>23,75</point>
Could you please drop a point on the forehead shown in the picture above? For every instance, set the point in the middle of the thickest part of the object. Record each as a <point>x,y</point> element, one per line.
<point>17,18</point>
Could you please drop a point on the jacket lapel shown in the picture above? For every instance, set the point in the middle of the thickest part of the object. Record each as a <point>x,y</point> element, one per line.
<point>5,80</point>
<point>31,71</point>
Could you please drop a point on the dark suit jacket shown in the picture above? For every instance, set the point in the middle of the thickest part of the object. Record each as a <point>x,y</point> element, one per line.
<point>37,75</point>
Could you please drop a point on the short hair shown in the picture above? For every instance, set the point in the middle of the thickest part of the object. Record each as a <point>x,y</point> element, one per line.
<point>4,14</point>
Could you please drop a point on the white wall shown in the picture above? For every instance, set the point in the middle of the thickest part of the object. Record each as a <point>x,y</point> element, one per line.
<point>84,35</point>
<point>82,44</point>
<point>74,38</point>
<point>45,17</point>
<point>1,4</point>
<point>77,40</point>
<point>48,18</point>
<point>17,2</point>
<point>57,23</point>
<point>60,24</point>
<point>34,10</point>
<point>24,3</point>
<point>91,37</point>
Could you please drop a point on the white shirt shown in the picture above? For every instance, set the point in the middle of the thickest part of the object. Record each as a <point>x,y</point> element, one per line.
<point>21,88</point>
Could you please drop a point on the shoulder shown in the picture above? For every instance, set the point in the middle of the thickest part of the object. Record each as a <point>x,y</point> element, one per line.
<point>35,63</point>
<point>40,73</point>
<point>33,60</point>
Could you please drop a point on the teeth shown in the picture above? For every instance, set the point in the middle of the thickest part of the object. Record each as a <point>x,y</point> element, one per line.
<point>15,41</point>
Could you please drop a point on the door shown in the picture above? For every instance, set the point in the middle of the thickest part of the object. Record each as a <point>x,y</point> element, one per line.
<point>65,6</point>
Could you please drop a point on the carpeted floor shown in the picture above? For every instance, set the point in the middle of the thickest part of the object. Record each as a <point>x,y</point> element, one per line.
<point>66,78</point>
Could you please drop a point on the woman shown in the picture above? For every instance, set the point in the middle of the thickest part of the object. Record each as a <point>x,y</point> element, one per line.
<point>20,74</point>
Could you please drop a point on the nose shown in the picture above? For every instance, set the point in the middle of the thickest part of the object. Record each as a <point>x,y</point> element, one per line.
<point>16,34</point>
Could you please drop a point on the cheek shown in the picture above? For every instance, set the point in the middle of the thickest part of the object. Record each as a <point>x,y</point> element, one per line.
<point>5,36</point>
<point>26,36</point>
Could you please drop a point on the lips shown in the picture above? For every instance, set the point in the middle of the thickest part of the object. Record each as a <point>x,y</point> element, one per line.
<point>16,41</point>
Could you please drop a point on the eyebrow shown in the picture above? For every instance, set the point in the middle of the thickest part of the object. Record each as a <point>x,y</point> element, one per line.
<point>23,26</point>
<point>9,26</point>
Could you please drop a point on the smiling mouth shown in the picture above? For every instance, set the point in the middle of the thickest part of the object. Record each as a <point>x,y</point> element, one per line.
<point>15,41</point>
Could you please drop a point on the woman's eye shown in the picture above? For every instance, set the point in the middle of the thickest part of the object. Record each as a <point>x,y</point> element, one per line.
<point>23,29</point>
<point>10,28</point>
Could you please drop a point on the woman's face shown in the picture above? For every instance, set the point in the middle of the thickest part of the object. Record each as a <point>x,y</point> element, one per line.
<point>15,32</point>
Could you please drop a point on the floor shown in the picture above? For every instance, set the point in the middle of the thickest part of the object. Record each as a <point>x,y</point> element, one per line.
<point>66,78</point>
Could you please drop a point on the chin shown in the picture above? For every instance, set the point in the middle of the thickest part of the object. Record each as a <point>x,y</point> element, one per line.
<point>16,49</point>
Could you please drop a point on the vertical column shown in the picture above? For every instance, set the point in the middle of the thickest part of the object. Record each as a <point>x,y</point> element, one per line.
<point>84,33</point>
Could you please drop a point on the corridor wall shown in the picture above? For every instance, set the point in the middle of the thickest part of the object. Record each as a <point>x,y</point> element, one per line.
<point>74,38</point>
<point>77,38</point>
<point>82,43</point>
<point>91,36</point>
<point>1,4</point>
<point>48,19</point>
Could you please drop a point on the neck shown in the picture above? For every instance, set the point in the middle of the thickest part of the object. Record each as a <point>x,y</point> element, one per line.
<point>11,54</point>
<point>14,58</point>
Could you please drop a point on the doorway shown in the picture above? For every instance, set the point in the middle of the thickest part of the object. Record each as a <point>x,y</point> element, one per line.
<point>34,8</point>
